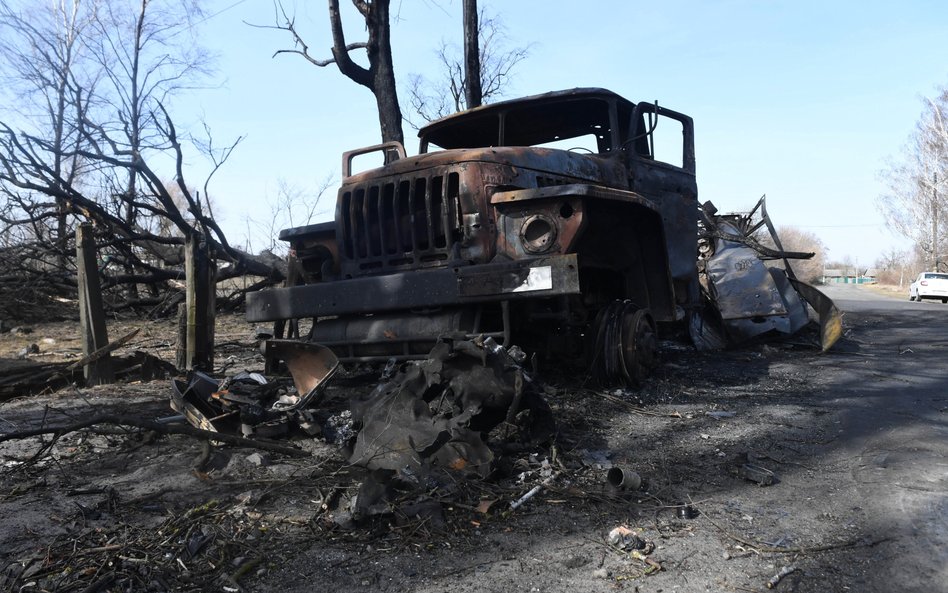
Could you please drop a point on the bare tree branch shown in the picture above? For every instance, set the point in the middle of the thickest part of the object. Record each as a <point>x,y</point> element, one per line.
<point>379,77</point>
<point>915,204</point>
<point>433,99</point>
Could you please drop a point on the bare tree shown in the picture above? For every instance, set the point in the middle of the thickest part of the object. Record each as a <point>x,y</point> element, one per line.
<point>916,203</point>
<point>115,135</point>
<point>148,53</point>
<point>895,267</point>
<point>378,76</point>
<point>41,53</point>
<point>455,88</point>
<point>796,239</point>
<point>293,206</point>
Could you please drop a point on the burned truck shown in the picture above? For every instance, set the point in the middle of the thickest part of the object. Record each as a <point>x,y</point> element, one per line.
<point>565,223</point>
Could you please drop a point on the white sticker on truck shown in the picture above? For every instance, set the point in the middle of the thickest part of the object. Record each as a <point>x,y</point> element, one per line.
<point>540,278</point>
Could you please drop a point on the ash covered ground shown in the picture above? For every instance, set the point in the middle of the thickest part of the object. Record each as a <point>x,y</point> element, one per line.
<point>854,440</point>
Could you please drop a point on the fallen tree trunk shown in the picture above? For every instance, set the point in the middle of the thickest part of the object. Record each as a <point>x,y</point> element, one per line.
<point>154,426</point>
<point>28,378</point>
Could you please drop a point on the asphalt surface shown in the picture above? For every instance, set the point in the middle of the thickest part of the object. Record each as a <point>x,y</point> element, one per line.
<point>890,387</point>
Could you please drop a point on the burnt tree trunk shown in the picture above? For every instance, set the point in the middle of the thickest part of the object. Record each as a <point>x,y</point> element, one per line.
<point>379,77</point>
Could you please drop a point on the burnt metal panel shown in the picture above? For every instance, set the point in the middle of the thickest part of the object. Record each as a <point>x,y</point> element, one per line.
<point>397,223</point>
<point>530,278</point>
<point>571,190</point>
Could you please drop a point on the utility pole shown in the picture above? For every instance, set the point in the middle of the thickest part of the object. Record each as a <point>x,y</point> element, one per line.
<point>473,94</point>
<point>935,221</point>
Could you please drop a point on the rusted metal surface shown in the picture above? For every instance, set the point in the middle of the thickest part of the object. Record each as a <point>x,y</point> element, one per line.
<point>626,347</point>
<point>505,280</point>
<point>249,404</point>
<point>311,365</point>
<point>316,250</point>
<point>747,296</point>
<point>831,320</point>
<point>392,151</point>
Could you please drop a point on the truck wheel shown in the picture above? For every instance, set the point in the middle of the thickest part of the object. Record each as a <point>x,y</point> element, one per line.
<point>625,347</point>
<point>639,346</point>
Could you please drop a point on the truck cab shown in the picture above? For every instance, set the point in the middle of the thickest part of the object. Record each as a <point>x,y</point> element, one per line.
<point>565,223</point>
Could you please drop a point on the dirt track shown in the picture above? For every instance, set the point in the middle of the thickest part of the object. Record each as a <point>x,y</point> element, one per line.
<point>856,439</point>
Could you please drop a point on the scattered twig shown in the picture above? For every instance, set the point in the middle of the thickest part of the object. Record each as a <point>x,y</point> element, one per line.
<point>201,461</point>
<point>96,550</point>
<point>101,352</point>
<point>632,408</point>
<point>533,492</point>
<point>641,556</point>
<point>243,569</point>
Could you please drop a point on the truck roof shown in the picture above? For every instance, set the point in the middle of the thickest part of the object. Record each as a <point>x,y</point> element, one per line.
<point>468,129</point>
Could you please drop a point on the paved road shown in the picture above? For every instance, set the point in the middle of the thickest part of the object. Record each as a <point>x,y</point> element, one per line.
<point>862,298</point>
<point>890,385</point>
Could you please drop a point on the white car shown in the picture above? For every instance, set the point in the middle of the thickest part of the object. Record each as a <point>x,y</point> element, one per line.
<point>929,285</point>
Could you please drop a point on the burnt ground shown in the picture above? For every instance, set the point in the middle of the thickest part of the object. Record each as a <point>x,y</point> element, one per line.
<point>856,439</point>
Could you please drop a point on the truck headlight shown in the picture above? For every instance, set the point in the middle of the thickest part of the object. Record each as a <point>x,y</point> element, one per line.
<point>538,233</point>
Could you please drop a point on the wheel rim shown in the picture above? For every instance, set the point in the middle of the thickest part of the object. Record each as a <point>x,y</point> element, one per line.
<point>639,346</point>
<point>625,347</point>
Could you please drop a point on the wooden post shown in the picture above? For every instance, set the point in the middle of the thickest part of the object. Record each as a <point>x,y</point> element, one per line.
<point>181,353</point>
<point>201,300</point>
<point>91,313</point>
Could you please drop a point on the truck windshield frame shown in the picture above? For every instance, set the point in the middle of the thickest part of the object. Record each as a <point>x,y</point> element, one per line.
<point>530,124</point>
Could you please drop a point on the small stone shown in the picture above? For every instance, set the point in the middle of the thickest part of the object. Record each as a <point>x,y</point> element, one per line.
<point>257,459</point>
<point>600,573</point>
<point>726,555</point>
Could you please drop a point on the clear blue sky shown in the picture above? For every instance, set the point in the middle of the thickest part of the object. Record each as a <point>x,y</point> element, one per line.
<point>801,100</point>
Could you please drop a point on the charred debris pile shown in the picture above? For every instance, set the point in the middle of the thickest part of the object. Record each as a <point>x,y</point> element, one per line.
<point>467,411</point>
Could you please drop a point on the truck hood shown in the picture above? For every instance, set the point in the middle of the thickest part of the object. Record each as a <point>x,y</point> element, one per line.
<point>561,163</point>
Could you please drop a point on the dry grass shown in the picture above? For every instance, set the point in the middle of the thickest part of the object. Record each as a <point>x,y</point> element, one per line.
<point>888,289</point>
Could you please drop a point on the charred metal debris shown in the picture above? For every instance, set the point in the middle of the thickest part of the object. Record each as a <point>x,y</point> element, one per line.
<point>250,405</point>
<point>746,296</point>
<point>425,426</point>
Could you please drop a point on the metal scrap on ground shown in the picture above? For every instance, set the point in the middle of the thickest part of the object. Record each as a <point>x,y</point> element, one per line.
<point>747,297</point>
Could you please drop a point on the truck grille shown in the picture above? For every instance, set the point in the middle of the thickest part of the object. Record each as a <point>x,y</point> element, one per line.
<point>405,223</point>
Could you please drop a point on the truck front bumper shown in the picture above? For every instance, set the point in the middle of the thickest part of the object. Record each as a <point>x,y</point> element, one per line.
<point>538,277</point>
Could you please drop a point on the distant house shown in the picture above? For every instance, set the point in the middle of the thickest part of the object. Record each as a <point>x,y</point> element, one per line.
<point>851,276</point>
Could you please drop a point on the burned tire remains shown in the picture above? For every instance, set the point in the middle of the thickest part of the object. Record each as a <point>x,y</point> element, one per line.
<point>625,348</point>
